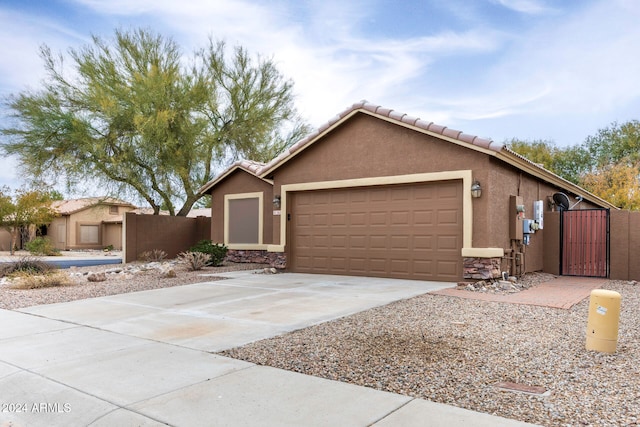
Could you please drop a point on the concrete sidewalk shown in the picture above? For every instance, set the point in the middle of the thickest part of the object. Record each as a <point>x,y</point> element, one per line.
<point>145,358</point>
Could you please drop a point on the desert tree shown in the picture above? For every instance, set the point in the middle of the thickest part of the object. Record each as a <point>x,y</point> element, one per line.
<point>133,115</point>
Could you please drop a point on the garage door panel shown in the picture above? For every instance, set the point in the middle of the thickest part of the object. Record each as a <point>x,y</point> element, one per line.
<point>339,242</point>
<point>447,243</point>
<point>358,265</point>
<point>378,218</point>
<point>447,268</point>
<point>378,242</point>
<point>404,231</point>
<point>338,219</point>
<point>400,242</point>
<point>400,218</point>
<point>423,218</point>
<point>448,217</point>
<point>339,264</point>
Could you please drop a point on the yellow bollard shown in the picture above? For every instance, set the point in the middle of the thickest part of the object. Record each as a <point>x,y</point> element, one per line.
<point>604,317</point>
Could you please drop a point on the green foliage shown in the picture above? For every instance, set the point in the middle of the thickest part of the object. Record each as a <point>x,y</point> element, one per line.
<point>607,164</point>
<point>618,143</point>
<point>194,260</point>
<point>41,246</point>
<point>217,251</point>
<point>26,208</point>
<point>140,118</point>
<point>570,162</point>
<point>27,265</point>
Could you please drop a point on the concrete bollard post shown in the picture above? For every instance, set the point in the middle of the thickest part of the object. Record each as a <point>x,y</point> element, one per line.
<point>603,321</point>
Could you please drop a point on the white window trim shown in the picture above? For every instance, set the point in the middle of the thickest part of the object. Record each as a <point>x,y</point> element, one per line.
<point>245,246</point>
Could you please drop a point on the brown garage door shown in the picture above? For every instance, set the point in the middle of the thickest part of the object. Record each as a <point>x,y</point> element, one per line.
<point>401,231</point>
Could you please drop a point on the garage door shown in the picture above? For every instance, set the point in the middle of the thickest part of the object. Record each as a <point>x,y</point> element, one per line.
<point>401,231</point>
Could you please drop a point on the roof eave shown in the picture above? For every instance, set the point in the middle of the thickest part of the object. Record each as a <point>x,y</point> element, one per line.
<point>550,177</point>
<point>414,124</point>
<point>206,188</point>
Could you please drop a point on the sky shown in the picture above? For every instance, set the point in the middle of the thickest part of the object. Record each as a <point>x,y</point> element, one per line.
<point>556,70</point>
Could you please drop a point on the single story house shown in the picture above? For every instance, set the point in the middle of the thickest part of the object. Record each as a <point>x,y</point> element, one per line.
<point>88,223</point>
<point>376,192</point>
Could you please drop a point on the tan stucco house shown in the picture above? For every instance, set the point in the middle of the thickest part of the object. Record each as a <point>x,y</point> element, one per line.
<point>376,192</point>
<point>88,223</point>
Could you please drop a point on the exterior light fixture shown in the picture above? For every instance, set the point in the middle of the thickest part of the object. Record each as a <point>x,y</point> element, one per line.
<point>276,202</point>
<point>476,190</point>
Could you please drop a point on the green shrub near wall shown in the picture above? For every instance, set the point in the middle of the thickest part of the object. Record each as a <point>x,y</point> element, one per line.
<point>217,251</point>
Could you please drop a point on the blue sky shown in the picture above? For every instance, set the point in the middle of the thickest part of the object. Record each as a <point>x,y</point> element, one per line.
<point>531,69</point>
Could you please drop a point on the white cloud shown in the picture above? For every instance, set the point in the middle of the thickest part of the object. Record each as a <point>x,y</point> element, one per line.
<point>532,7</point>
<point>20,39</point>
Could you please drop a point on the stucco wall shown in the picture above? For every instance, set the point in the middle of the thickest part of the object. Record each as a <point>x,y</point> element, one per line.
<point>5,240</point>
<point>240,181</point>
<point>625,245</point>
<point>171,234</point>
<point>366,146</point>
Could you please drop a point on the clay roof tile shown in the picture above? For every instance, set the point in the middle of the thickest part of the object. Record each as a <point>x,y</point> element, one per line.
<point>464,137</point>
<point>409,119</point>
<point>384,111</point>
<point>436,128</point>
<point>396,115</point>
<point>482,142</point>
<point>423,124</point>
<point>451,133</point>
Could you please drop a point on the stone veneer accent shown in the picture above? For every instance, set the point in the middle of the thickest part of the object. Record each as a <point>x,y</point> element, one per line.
<point>482,268</point>
<point>274,259</point>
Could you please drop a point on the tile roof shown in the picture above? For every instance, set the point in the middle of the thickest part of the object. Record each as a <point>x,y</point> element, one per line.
<point>497,149</point>
<point>260,169</point>
<point>67,207</point>
<point>250,166</point>
<point>393,116</point>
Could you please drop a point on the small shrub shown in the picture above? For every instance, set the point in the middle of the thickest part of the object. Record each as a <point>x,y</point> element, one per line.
<point>217,251</point>
<point>41,246</point>
<point>194,260</point>
<point>154,255</point>
<point>27,265</point>
<point>37,281</point>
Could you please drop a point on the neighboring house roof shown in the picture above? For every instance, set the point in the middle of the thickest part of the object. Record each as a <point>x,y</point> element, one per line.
<point>68,207</point>
<point>193,213</point>
<point>484,145</point>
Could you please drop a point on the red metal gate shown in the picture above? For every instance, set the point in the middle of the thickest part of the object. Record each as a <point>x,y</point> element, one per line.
<point>585,242</point>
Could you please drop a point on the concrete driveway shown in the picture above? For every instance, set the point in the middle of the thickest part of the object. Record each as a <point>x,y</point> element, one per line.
<point>145,358</point>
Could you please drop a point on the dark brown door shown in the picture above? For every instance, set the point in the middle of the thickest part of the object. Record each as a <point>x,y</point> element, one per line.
<point>400,231</point>
<point>585,242</point>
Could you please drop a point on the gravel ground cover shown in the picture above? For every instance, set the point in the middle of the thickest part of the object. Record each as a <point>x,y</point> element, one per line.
<point>440,348</point>
<point>81,288</point>
<point>455,351</point>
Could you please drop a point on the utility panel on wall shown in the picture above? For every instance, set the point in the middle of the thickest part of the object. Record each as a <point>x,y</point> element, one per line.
<point>538,214</point>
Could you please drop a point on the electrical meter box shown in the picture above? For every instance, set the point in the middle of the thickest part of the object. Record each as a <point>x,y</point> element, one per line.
<point>538,214</point>
<point>516,215</point>
<point>529,226</point>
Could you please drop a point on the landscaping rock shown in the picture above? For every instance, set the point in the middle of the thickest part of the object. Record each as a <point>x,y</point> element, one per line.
<point>97,277</point>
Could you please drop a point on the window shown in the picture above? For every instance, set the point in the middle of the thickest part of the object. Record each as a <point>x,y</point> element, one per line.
<point>113,210</point>
<point>89,234</point>
<point>243,220</point>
